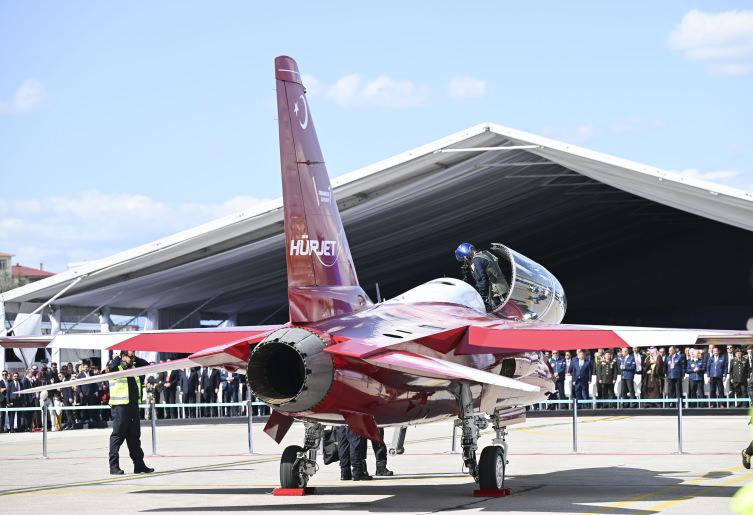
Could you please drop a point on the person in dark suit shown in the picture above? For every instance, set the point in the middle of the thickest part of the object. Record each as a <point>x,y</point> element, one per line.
<point>15,420</point>
<point>29,399</point>
<point>209,385</point>
<point>696,369</point>
<point>626,368</point>
<point>85,393</point>
<point>230,392</point>
<point>716,368</point>
<point>352,450</point>
<point>581,371</point>
<point>380,453</point>
<point>557,362</point>
<point>66,396</point>
<point>169,381</point>
<point>674,365</point>
<point>3,399</point>
<point>189,383</point>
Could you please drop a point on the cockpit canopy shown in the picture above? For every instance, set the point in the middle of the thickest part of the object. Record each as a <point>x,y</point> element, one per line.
<point>534,295</point>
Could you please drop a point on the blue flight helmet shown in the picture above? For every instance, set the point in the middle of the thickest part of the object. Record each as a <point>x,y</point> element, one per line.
<point>464,251</point>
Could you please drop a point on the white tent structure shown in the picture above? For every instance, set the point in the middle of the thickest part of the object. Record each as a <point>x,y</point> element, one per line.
<point>630,242</point>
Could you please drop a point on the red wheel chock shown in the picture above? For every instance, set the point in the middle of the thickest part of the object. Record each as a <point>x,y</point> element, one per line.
<point>293,492</point>
<point>504,492</point>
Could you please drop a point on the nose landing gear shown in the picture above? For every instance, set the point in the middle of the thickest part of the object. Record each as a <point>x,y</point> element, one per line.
<point>298,464</point>
<point>489,472</point>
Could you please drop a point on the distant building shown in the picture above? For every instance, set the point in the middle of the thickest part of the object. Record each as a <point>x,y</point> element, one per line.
<point>6,280</point>
<point>13,276</point>
<point>22,275</point>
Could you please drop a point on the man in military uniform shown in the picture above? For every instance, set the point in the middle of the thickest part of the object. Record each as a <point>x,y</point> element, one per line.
<point>748,451</point>
<point>484,267</point>
<point>606,373</point>
<point>739,372</point>
<point>559,369</point>
<point>125,396</point>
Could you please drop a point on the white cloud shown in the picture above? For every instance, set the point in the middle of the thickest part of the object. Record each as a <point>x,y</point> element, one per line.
<point>724,40</point>
<point>463,88</point>
<point>355,90</point>
<point>29,96</point>
<point>713,175</point>
<point>90,225</point>
<point>577,134</point>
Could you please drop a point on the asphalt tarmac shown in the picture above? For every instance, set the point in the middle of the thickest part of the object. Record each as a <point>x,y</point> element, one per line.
<point>624,465</point>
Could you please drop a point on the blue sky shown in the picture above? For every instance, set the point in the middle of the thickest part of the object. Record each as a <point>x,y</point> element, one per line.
<point>122,123</point>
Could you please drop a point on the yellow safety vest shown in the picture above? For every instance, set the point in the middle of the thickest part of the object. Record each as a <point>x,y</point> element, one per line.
<point>119,389</point>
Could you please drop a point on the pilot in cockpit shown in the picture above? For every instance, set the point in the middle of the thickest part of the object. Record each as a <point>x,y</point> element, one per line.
<point>483,267</point>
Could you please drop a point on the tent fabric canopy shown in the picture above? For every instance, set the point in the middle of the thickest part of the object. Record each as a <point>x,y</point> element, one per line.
<point>576,211</point>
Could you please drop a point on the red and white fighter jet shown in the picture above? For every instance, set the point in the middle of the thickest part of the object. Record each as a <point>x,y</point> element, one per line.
<point>431,353</point>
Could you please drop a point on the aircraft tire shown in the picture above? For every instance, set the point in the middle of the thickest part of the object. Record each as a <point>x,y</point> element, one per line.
<point>491,468</point>
<point>289,476</point>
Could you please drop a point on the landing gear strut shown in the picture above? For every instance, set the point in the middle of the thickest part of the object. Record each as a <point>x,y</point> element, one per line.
<point>298,464</point>
<point>489,471</point>
<point>469,439</point>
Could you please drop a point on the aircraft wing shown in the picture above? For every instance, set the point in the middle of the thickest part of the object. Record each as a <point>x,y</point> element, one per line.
<point>516,337</point>
<point>129,372</point>
<point>178,340</point>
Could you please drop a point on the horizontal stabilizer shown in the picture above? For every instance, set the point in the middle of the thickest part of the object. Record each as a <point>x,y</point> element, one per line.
<point>425,366</point>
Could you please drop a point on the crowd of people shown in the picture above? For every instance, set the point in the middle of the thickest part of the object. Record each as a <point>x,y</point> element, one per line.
<point>606,374</point>
<point>186,386</point>
<point>653,373</point>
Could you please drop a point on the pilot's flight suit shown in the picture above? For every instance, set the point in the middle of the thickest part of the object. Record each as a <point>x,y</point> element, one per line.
<point>490,282</point>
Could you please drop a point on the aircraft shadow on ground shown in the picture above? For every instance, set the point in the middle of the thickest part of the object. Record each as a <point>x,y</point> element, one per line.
<point>566,491</point>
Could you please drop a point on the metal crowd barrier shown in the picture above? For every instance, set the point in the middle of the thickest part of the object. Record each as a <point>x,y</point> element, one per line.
<point>680,405</point>
<point>152,407</point>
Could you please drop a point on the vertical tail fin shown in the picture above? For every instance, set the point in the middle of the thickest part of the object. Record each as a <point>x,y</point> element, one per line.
<point>322,279</point>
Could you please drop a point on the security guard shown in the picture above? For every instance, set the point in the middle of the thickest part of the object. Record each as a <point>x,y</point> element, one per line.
<point>484,266</point>
<point>125,396</point>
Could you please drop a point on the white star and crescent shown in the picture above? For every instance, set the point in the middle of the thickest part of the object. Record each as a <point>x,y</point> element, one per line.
<point>305,121</point>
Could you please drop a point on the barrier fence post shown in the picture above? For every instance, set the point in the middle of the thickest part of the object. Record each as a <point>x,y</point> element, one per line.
<point>153,414</point>
<point>575,425</point>
<point>44,431</point>
<point>679,424</point>
<point>250,414</point>
<point>453,449</point>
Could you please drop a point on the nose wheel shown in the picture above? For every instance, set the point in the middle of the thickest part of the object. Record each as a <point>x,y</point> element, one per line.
<point>291,475</point>
<point>491,468</point>
<point>298,464</point>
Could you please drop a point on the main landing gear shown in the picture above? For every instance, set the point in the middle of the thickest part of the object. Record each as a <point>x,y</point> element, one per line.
<point>298,463</point>
<point>489,471</point>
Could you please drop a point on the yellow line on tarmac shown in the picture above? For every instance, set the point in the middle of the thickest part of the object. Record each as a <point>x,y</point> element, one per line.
<point>41,488</point>
<point>702,491</point>
<point>620,504</point>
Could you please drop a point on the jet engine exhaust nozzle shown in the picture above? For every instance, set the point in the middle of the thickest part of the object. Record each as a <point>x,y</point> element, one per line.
<point>289,370</point>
